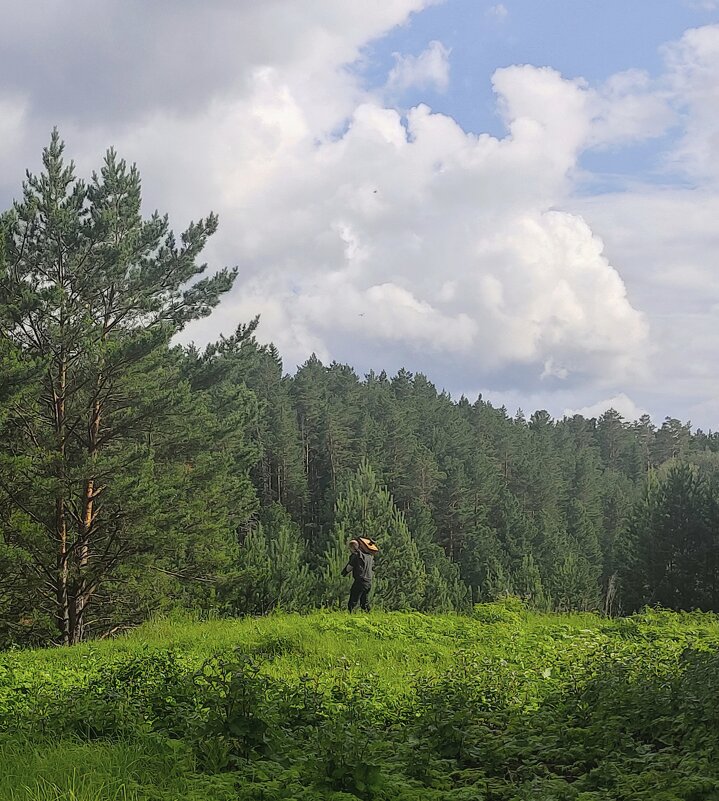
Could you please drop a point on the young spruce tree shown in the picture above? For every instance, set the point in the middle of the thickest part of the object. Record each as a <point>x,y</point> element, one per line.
<point>365,508</point>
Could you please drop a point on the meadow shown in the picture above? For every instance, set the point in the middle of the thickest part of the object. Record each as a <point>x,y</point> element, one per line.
<point>502,704</point>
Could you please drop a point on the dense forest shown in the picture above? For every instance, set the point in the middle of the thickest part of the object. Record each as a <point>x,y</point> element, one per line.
<point>138,476</point>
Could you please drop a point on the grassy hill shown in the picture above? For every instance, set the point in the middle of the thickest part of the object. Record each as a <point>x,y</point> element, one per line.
<point>505,704</point>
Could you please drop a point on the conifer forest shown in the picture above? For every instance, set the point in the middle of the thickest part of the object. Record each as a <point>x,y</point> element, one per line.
<point>139,477</point>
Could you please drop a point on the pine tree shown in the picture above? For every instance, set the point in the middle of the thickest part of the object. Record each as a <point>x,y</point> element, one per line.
<point>292,583</point>
<point>92,293</point>
<point>573,583</point>
<point>324,398</point>
<point>482,551</point>
<point>618,496</point>
<point>497,583</point>
<point>272,571</point>
<point>527,584</point>
<point>644,433</point>
<point>453,500</point>
<point>334,587</point>
<point>670,545</point>
<point>671,441</point>
<point>612,437</point>
<point>248,589</point>
<point>278,470</point>
<point>444,591</point>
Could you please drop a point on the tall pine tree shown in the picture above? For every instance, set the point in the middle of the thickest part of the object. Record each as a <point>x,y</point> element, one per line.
<point>91,294</point>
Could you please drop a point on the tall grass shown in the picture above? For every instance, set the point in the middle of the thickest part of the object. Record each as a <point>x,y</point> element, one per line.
<point>382,706</point>
<point>68,770</point>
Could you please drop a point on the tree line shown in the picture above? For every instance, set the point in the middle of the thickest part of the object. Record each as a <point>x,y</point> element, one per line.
<point>138,476</point>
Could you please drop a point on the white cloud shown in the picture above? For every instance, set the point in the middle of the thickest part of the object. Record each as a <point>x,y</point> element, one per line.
<point>550,296</point>
<point>548,118</point>
<point>663,239</point>
<point>115,59</point>
<point>400,237</point>
<point>380,238</point>
<point>660,240</point>
<point>498,12</point>
<point>406,235</point>
<point>703,5</point>
<point>626,407</point>
<point>630,107</point>
<point>428,70</point>
<point>693,77</point>
<point>13,119</point>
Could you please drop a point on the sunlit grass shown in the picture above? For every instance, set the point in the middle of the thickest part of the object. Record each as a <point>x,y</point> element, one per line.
<point>67,770</point>
<point>391,652</point>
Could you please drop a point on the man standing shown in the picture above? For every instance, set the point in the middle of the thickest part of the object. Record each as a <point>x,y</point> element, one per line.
<point>360,565</point>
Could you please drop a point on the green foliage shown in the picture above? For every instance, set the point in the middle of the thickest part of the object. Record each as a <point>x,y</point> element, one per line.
<point>138,477</point>
<point>334,586</point>
<point>366,509</point>
<point>671,550</point>
<point>505,704</point>
<point>102,433</point>
<point>271,570</point>
<point>444,589</point>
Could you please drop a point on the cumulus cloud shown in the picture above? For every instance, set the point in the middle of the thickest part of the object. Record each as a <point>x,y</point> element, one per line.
<point>13,115</point>
<point>412,233</point>
<point>428,70</point>
<point>703,5</point>
<point>385,238</point>
<point>693,76</point>
<point>362,233</point>
<point>630,107</point>
<point>620,403</point>
<point>662,238</point>
<point>113,59</point>
<point>105,69</point>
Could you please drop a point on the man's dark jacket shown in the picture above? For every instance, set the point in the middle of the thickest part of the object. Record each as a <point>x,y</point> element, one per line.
<point>361,566</point>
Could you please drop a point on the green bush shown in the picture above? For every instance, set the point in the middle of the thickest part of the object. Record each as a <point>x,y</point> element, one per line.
<point>509,609</point>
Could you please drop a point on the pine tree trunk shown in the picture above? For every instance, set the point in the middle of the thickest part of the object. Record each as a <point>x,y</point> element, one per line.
<point>63,553</point>
<point>89,491</point>
<point>63,601</point>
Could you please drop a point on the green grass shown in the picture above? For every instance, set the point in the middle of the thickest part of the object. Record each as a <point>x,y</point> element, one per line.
<point>68,770</point>
<point>391,646</point>
<point>501,705</point>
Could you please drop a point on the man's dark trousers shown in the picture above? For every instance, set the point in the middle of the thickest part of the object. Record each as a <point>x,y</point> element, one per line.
<point>358,593</point>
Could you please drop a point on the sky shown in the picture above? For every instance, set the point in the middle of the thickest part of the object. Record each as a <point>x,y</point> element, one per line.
<point>518,199</point>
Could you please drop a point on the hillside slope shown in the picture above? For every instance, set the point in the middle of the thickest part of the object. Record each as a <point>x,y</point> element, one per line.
<point>504,704</point>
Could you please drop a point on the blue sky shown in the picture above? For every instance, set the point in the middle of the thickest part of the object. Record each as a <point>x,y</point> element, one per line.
<point>580,38</point>
<point>545,235</point>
